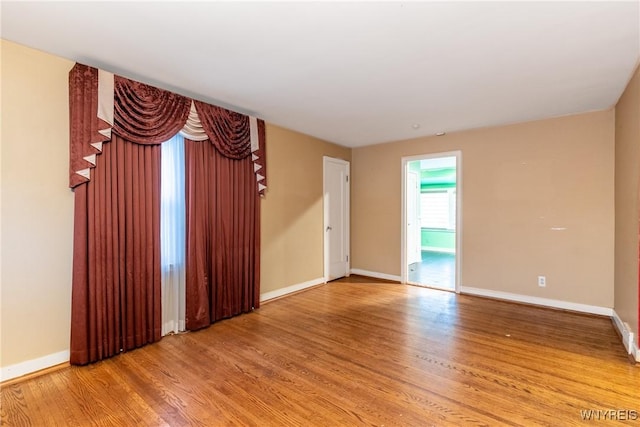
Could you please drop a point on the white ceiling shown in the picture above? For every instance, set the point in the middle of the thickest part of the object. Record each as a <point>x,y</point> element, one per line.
<point>355,73</point>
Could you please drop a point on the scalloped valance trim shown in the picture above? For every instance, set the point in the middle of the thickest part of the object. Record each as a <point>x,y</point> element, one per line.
<point>105,114</point>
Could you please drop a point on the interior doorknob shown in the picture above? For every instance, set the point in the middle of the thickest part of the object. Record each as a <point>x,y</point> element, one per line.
<point>329,228</point>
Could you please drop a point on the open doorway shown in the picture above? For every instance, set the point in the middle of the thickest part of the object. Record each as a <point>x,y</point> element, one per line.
<point>431,219</point>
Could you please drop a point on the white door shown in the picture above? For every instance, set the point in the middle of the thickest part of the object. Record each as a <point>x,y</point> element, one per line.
<point>413,218</point>
<point>336,218</point>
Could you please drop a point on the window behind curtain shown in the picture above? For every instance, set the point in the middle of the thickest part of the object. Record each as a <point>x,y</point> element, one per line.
<point>172,235</point>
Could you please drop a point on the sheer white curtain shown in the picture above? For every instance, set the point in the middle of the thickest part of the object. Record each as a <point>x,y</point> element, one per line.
<point>172,235</point>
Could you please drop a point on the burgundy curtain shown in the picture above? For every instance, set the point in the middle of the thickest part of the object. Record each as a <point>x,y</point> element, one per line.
<point>228,131</point>
<point>84,124</point>
<point>116,272</point>
<point>223,236</point>
<point>145,114</point>
<point>116,291</point>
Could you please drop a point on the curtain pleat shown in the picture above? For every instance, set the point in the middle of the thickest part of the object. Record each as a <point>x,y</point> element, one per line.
<point>116,305</point>
<point>198,207</point>
<point>222,217</point>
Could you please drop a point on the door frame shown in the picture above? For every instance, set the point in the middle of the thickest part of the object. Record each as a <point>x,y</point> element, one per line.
<point>404,268</point>
<point>418,243</point>
<point>325,218</point>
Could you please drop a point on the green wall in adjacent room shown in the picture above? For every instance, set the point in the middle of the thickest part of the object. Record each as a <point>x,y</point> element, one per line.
<point>437,178</point>
<point>444,240</point>
<point>433,179</point>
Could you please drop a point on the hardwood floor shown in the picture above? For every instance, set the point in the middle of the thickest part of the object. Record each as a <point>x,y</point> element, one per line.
<point>353,352</point>
<point>435,269</point>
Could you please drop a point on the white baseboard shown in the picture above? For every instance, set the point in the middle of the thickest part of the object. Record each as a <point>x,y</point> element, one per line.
<point>627,336</point>
<point>290,289</point>
<point>545,302</point>
<point>376,275</point>
<point>33,365</point>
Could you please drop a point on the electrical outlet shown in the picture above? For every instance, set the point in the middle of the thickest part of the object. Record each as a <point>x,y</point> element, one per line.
<point>542,281</point>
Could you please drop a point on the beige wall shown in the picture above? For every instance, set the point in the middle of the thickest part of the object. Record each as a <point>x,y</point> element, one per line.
<point>518,182</point>
<point>37,205</point>
<point>627,158</point>
<point>292,214</point>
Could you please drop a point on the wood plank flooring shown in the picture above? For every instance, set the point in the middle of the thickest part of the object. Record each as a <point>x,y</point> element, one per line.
<point>353,352</point>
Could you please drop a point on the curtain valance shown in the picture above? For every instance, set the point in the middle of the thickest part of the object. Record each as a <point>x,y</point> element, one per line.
<point>102,103</point>
<point>228,131</point>
<point>145,114</point>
